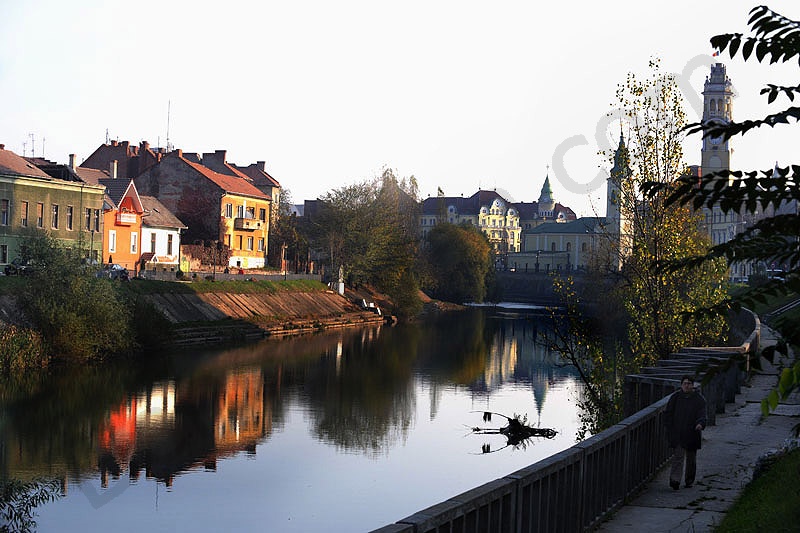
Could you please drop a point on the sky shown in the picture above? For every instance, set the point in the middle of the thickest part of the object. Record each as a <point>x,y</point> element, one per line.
<point>461,95</point>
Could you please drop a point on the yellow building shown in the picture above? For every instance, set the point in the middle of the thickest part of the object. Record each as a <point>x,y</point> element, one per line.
<point>222,209</point>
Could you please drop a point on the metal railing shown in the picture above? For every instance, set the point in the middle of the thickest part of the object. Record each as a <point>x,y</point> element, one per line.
<point>575,489</point>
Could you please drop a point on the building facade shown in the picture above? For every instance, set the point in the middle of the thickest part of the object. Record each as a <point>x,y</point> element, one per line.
<point>31,200</point>
<point>215,207</point>
<point>502,221</point>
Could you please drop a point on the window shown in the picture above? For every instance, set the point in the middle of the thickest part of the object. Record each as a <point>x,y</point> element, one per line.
<point>251,213</point>
<point>97,220</point>
<point>553,247</point>
<point>88,219</point>
<point>55,216</point>
<point>260,244</point>
<point>240,242</point>
<point>228,210</point>
<point>153,242</point>
<point>24,213</point>
<point>3,253</point>
<point>169,244</point>
<point>69,217</point>
<point>249,243</point>
<point>39,215</point>
<point>4,212</point>
<point>112,241</point>
<point>583,247</point>
<point>262,215</point>
<point>569,246</point>
<point>239,211</point>
<point>134,241</point>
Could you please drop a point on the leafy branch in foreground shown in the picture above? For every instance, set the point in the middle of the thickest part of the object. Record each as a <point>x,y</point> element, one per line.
<point>767,201</point>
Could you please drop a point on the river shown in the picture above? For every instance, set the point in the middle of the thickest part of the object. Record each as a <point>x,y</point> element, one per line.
<point>336,431</point>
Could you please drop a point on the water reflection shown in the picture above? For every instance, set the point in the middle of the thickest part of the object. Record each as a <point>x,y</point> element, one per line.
<point>359,392</point>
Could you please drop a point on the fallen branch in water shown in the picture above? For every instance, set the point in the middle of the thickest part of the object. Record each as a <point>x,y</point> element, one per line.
<point>517,431</point>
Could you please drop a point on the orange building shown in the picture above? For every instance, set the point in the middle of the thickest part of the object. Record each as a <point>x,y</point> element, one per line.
<point>122,222</point>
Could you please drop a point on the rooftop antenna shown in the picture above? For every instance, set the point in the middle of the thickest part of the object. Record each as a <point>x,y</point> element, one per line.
<point>43,139</point>
<point>33,144</point>
<point>169,105</point>
<point>107,136</point>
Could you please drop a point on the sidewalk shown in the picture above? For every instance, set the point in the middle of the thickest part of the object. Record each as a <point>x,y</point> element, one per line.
<point>725,463</point>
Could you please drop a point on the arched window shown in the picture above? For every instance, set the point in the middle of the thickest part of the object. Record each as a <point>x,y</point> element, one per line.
<point>569,246</point>
<point>584,247</point>
<point>713,107</point>
<point>552,247</point>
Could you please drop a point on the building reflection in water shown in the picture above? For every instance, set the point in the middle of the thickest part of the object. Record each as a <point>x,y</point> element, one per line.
<point>167,429</point>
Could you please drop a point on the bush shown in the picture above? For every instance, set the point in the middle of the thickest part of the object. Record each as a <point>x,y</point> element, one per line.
<point>20,349</point>
<point>80,317</point>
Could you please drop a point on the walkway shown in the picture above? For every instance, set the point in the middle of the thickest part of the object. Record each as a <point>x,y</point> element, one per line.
<point>725,463</point>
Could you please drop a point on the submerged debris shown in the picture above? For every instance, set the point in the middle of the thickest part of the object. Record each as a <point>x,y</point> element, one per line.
<point>517,431</point>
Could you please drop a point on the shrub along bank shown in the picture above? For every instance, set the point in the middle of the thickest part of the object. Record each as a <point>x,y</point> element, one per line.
<point>68,314</point>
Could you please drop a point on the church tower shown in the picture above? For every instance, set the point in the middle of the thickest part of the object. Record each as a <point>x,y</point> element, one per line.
<point>619,173</point>
<point>547,204</point>
<point>717,100</point>
<point>617,224</point>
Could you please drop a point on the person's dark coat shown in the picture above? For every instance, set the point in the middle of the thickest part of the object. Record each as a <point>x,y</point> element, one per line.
<point>681,416</point>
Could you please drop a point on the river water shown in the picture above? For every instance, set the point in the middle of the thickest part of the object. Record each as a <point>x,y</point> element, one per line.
<point>337,431</point>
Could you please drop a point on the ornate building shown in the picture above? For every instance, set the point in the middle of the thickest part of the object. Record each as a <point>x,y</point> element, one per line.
<point>501,220</point>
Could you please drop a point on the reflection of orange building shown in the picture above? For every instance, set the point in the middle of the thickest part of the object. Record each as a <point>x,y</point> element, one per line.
<point>240,414</point>
<point>117,440</point>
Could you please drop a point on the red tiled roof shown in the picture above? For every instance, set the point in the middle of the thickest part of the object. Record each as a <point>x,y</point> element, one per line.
<point>14,165</point>
<point>231,184</point>
<point>258,175</point>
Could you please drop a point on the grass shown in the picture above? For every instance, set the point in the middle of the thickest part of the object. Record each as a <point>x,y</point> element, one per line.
<point>771,502</point>
<point>143,286</point>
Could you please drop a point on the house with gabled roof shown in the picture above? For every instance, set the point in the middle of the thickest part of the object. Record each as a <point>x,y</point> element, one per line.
<point>216,207</point>
<point>32,199</point>
<point>161,237</point>
<point>122,217</point>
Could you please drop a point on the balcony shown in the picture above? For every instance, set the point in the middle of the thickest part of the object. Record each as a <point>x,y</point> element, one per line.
<point>126,219</point>
<point>247,224</point>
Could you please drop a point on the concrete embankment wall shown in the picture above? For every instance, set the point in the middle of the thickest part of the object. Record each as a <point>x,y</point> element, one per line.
<point>277,313</point>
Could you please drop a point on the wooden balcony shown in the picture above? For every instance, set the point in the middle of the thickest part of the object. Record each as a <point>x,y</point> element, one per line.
<point>247,224</point>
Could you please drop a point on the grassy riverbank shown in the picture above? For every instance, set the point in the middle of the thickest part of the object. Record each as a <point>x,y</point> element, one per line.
<point>770,502</point>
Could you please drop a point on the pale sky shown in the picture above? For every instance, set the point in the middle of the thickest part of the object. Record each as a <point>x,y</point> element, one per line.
<point>460,94</point>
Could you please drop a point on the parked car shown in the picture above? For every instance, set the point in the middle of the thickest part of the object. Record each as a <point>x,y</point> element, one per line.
<point>114,271</point>
<point>19,266</point>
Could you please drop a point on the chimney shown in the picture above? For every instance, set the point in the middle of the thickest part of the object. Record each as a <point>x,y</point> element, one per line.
<point>2,146</point>
<point>113,169</point>
<point>72,161</point>
<point>261,165</point>
<point>113,142</point>
<point>144,146</point>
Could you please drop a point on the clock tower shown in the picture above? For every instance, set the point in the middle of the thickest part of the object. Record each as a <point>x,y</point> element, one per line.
<point>717,100</point>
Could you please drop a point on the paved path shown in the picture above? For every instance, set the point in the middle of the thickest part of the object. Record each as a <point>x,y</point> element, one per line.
<point>725,463</point>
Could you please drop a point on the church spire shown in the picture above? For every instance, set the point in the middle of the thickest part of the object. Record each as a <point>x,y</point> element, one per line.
<point>546,202</point>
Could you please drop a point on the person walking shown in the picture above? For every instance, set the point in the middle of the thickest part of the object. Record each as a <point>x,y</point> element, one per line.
<point>685,419</point>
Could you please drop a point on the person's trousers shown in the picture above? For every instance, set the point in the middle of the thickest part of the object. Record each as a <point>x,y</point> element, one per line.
<point>678,457</point>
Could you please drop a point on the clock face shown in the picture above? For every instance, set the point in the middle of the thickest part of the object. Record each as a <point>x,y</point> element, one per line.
<point>716,140</point>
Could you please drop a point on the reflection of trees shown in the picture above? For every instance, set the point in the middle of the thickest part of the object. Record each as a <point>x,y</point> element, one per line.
<point>457,348</point>
<point>50,419</point>
<point>362,391</point>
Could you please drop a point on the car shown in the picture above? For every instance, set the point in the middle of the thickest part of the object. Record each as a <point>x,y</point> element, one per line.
<point>19,266</point>
<point>114,271</point>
